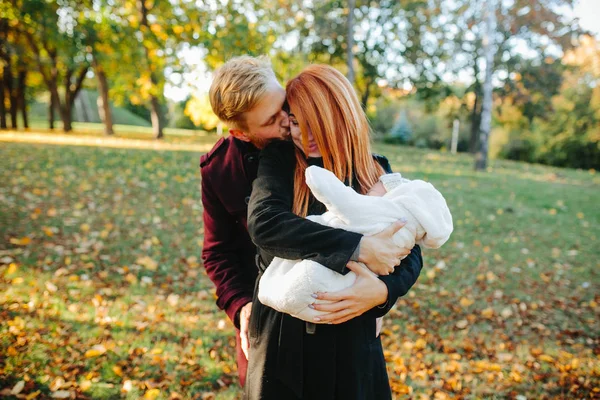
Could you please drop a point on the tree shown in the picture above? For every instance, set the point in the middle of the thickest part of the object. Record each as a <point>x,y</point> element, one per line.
<point>58,50</point>
<point>486,114</point>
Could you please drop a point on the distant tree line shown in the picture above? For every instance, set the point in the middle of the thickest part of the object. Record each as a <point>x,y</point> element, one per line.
<point>544,99</point>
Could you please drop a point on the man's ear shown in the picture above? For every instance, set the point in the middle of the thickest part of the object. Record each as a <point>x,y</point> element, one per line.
<point>241,135</point>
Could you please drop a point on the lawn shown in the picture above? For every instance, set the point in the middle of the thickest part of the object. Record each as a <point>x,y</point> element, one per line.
<point>103,294</point>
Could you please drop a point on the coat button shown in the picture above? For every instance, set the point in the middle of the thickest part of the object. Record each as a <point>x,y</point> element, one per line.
<point>247,199</point>
<point>251,158</point>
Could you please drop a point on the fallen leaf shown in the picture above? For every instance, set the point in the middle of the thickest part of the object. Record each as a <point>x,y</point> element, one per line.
<point>95,351</point>
<point>18,387</point>
<point>152,394</point>
<point>147,263</point>
<point>24,241</point>
<point>462,324</point>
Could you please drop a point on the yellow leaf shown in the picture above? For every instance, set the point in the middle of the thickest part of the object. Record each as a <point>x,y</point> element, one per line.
<point>487,313</point>
<point>85,385</point>
<point>84,227</point>
<point>33,395</point>
<point>12,268</point>
<point>420,344</point>
<point>17,281</point>
<point>152,394</point>
<point>466,302</point>
<point>156,351</point>
<point>24,241</point>
<point>117,370</point>
<point>148,263</point>
<point>52,212</point>
<point>95,351</point>
<point>547,358</point>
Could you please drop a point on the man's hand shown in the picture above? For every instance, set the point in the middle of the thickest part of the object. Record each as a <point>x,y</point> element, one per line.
<point>366,292</point>
<point>380,253</point>
<point>244,323</point>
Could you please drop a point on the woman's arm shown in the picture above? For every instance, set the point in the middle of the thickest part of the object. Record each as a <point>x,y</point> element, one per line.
<point>274,228</point>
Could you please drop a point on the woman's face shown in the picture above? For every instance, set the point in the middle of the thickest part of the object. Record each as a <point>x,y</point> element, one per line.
<point>313,149</point>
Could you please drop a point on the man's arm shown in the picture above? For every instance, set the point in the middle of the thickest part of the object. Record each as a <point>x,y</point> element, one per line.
<point>400,281</point>
<point>369,294</point>
<point>221,254</point>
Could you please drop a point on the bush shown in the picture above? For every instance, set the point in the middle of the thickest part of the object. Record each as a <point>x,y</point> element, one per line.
<point>573,151</point>
<point>519,150</point>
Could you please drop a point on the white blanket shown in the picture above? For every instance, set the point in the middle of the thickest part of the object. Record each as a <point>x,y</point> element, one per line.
<point>287,285</point>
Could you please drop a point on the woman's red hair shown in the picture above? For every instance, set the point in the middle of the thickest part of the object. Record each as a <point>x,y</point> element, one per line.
<point>324,102</point>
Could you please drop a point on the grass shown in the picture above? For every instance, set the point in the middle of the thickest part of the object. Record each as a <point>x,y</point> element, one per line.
<point>103,295</point>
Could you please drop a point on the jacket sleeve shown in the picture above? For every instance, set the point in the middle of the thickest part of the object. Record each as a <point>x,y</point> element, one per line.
<point>276,229</point>
<point>220,254</point>
<point>400,281</point>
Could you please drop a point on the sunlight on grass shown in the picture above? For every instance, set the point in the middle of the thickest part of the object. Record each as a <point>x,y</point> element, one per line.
<point>103,293</point>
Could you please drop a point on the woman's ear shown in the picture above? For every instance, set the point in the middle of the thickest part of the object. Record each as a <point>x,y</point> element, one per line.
<point>241,135</point>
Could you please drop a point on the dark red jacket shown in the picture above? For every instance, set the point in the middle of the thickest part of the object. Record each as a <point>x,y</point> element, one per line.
<point>228,252</point>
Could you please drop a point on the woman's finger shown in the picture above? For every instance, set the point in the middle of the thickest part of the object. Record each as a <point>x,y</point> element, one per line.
<point>333,296</point>
<point>330,307</point>
<point>333,316</point>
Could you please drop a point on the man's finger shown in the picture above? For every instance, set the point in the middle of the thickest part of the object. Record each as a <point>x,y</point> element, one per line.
<point>395,227</point>
<point>357,268</point>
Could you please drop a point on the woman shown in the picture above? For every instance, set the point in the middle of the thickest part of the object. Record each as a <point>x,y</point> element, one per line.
<point>291,359</point>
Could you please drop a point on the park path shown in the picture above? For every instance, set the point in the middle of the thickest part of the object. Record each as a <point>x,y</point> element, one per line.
<point>114,142</point>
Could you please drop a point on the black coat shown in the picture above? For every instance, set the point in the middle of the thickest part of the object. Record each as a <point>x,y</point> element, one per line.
<point>343,361</point>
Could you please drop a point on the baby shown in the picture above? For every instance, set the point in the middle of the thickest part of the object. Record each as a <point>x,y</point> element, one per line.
<point>287,285</point>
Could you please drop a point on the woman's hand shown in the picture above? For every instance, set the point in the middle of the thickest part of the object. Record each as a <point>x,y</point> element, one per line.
<point>379,252</point>
<point>366,292</point>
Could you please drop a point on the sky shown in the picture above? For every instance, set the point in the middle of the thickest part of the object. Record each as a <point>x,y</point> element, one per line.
<point>588,12</point>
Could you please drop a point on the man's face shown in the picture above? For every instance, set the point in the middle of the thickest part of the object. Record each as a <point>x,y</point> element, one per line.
<point>267,121</point>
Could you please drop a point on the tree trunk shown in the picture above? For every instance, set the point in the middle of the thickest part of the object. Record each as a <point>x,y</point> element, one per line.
<point>71,92</point>
<point>51,113</point>
<point>2,108</point>
<point>365,96</point>
<point>8,86</point>
<point>3,50</point>
<point>156,118</point>
<point>486,113</point>
<point>350,41</point>
<point>475,122</point>
<point>21,88</point>
<point>103,102</point>
<point>157,128</point>
<point>67,117</point>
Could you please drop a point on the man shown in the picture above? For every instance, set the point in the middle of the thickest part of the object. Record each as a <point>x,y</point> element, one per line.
<point>246,96</point>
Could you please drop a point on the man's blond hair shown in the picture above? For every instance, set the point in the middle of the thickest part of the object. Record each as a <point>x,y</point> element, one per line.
<point>237,86</point>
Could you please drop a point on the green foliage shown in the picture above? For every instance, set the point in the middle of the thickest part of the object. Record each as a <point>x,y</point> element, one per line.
<point>402,130</point>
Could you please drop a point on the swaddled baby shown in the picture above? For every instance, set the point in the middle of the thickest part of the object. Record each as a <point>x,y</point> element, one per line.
<point>287,285</point>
